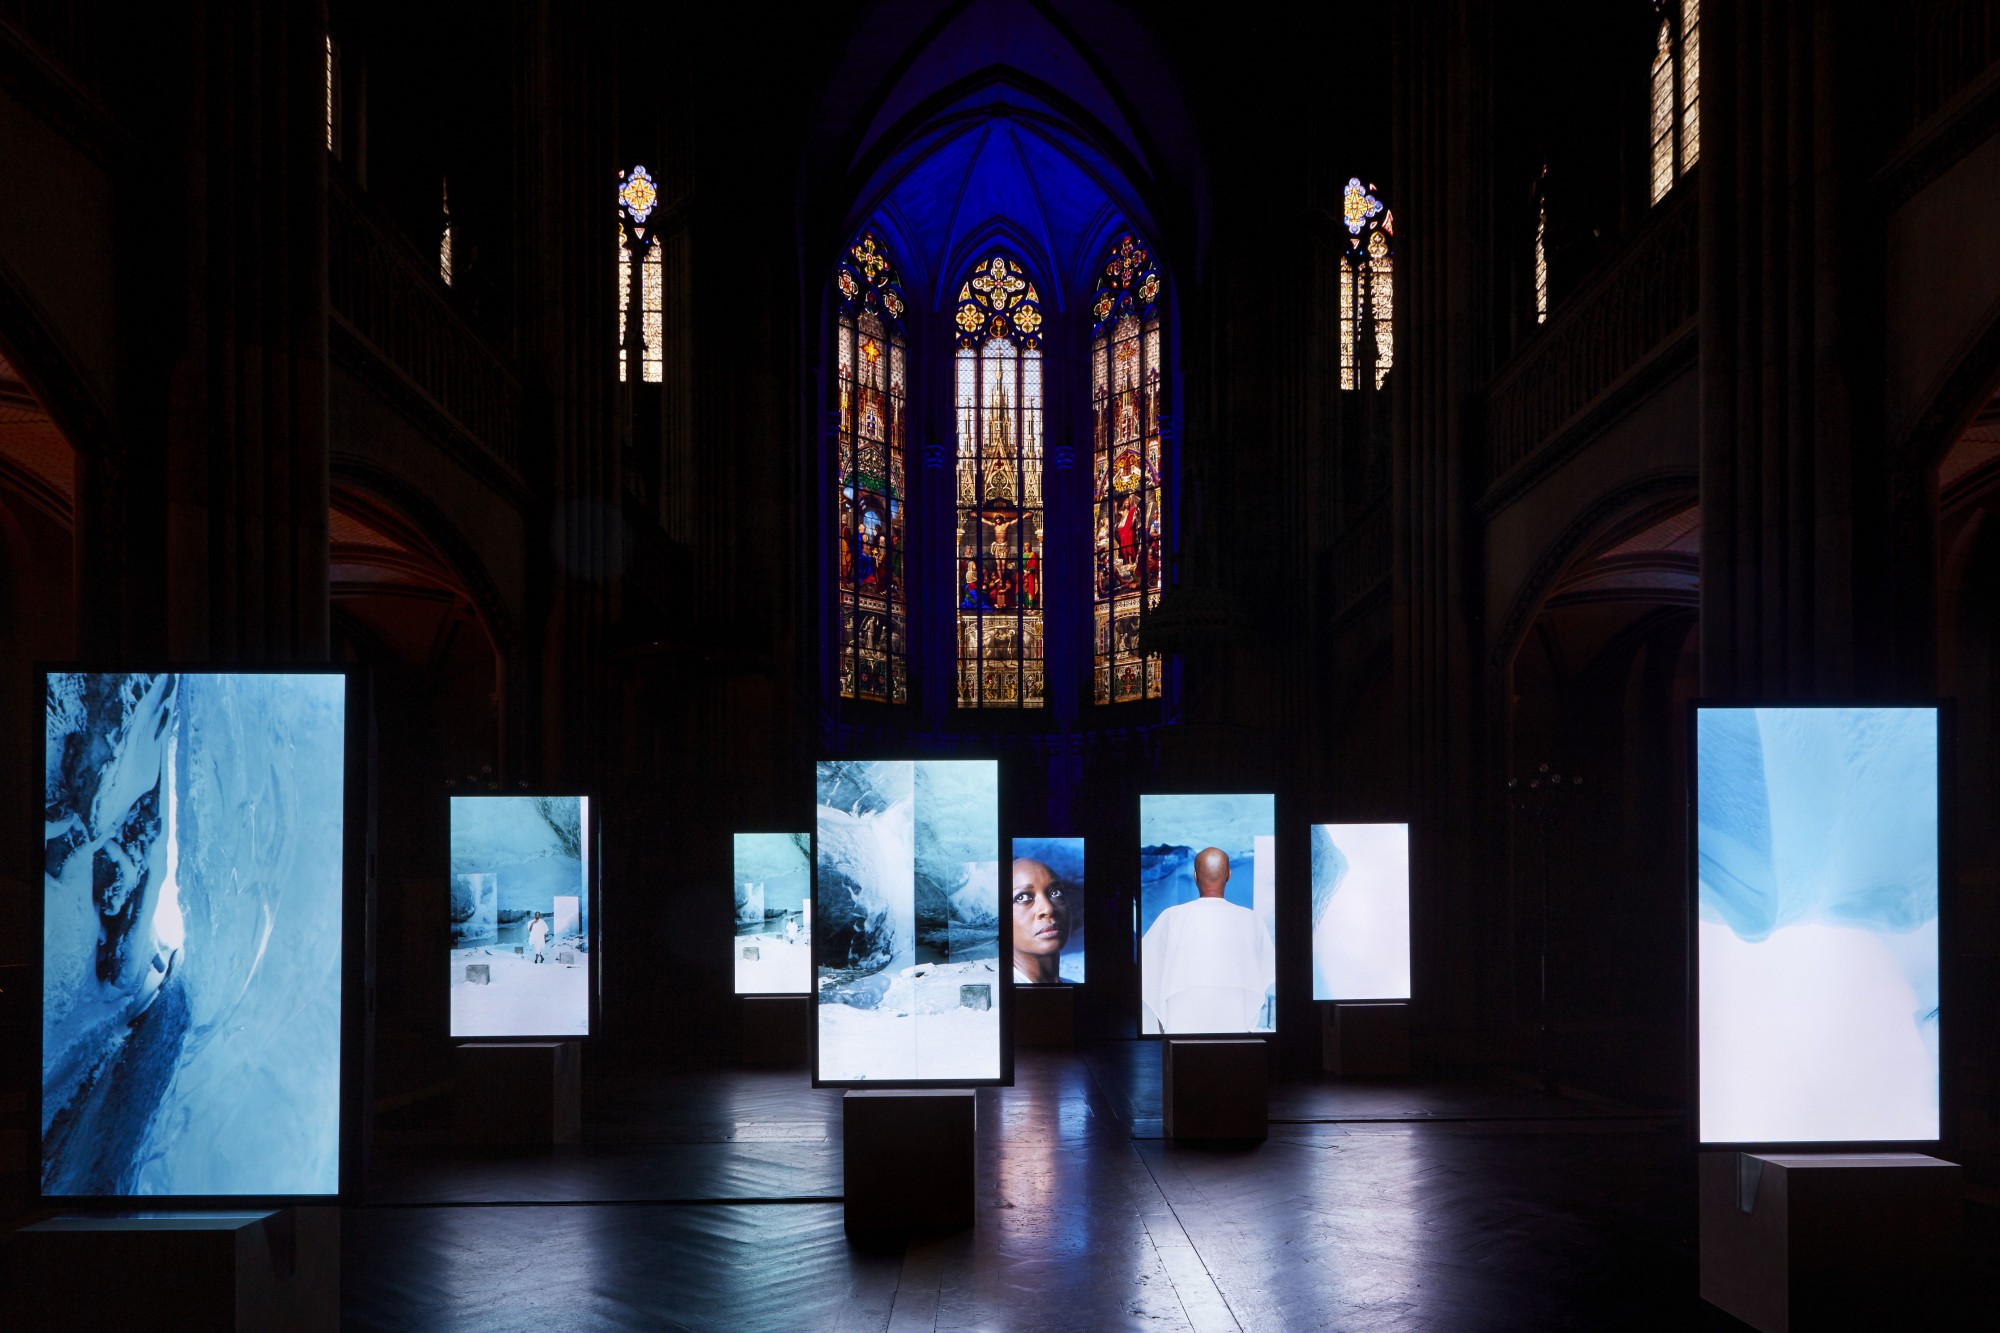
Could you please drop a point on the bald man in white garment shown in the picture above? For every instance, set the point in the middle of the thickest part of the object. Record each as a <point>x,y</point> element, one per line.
<point>1207,965</point>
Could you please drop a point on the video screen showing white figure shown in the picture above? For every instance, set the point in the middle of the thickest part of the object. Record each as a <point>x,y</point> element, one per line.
<point>191,945</point>
<point>906,927</point>
<point>1207,914</point>
<point>1047,895</point>
<point>1817,924</point>
<point>1361,911</point>
<point>520,916</point>
<point>773,942</point>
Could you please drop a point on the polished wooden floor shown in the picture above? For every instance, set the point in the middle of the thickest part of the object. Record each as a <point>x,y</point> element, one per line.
<point>710,1200</point>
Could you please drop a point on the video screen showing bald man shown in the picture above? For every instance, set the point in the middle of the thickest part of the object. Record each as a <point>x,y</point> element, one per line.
<point>1047,895</point>
<point>1207,914</point>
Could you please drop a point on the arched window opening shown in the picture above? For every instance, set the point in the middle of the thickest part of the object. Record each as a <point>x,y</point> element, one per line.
<point>999,489</point>
<point>640,304</point>
<point>1367,286</point>
<point>1128,497</point>
<point>871,357</point>
<point>1675,94</point>
<point>1542,248</point>
<point>332,96</point>
<point>444,241</point>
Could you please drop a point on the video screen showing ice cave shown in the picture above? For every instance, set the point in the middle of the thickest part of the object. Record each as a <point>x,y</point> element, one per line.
<point>520,916</point>
<point>1816,924</point>
<point>1361,911</point>
<point>772,948</point>
<point>192,876</point>
<point>906,926</point>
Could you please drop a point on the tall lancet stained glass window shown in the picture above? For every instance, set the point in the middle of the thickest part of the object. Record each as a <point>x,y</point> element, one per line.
<point>1126,495</point>
<point>640,307</point>
<point>999,483</point>
<point>871,357</point>
<point>1367,287</point>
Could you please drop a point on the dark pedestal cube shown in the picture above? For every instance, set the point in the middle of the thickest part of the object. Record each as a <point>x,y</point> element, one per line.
<point>248,1270</point>
<point>777,1030</point>
<point>520,1092</point>
<point>1045,1016</point>
<point>908,1160</point>
<point>1830,1240</point>
<point>1214,1088</point>
<point>1365,1038</point>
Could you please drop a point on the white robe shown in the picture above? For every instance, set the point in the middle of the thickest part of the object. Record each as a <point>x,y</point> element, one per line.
<point>538,937</point>
<point>1206,966</point>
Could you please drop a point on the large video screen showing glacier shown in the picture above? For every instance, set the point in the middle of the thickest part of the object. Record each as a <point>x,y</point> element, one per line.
<point>773,943</point>
<point>1047,895</point>
<point>1208,914</point>
<point>520,916</point>
<point>1361,911</point>
<point>1817,924</point>
<point>906,922</point>
<point>191,945</point>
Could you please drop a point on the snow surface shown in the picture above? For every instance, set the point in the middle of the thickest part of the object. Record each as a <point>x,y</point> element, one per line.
<point>524,998</point>
<point>920,1030</point>
<point>783,967</point>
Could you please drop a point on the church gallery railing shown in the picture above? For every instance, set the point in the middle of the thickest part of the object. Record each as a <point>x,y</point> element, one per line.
<point>1640,299</point>
<point>393,303</point>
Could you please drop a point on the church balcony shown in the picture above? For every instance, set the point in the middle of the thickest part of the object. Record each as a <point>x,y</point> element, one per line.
<point>394,328</point>
<point>1602,350</point>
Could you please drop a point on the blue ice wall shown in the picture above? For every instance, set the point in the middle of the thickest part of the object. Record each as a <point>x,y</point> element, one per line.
<point>782,862</point>
<point>1172,829</point>
<point>1817,814</point>
<point>533,845</point>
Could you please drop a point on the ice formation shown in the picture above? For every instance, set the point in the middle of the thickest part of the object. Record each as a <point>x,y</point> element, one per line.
<point>1817,924</point>
<point>772,945</point>
<point>1361,911</point>
<point>192,940</point>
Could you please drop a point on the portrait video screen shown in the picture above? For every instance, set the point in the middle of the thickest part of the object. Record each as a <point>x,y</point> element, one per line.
<point>1208,959</point>
<point>1047,897</point>
<point>520,916</point>
<point>1816,927</point>
<point>773,943</point>
<point>1361,911</point>
<point>191,940</point>
<point>906,922</point>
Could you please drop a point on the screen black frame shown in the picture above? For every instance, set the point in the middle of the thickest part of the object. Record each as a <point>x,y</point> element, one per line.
<point>1007,902</point>
<point>1945,712</point>
<point>594,982</point>
<point>812,847</point>
<point>1409,906</point>
<point>1270,1034</point>
<point>1005,974</point>
<point>357,911</point>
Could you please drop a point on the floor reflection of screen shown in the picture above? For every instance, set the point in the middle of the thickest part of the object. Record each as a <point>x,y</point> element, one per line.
<point>1047,898</point>
<point>1817,924</point>
<point>1207,914</point>
<point>772,947</point>
<point>906,926</point>
<point>1361,911</point>
<point>520,916</point>
<point>191,1002</point>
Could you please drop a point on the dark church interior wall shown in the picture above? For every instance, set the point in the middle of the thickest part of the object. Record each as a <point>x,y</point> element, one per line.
<point>1745,455</point>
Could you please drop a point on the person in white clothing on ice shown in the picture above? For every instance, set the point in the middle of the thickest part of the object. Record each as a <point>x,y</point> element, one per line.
<point>1207,965</point>
<point>538,936</point>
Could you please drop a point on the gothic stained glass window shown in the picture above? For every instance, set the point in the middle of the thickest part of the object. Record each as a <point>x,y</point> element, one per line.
<point>332,96</point>
<point>1542,250</point>
<point>1690,83</point>
<point>1663,113</point>
<point>871,357</point>
<point>1674,126</point>
<point>444,241</point>
<point>1000,576</point>
<point>639,309</point>
<point>1367,285</point>
<point>1127,496</point>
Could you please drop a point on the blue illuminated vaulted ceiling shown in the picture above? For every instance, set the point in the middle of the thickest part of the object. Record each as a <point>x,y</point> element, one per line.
<point>997,131</point>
